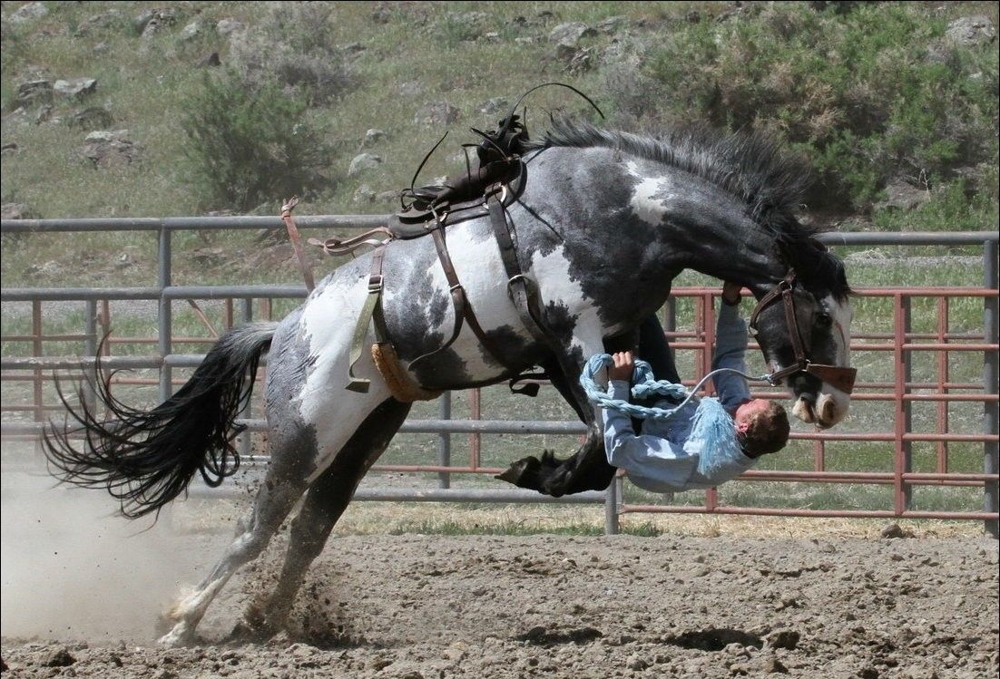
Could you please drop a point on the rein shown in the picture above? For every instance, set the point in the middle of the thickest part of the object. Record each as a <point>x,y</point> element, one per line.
<point>840,377</point>
<point>645,386</point>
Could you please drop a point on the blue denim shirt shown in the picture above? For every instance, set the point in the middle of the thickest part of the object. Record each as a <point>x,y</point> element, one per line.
<point>665,458</point>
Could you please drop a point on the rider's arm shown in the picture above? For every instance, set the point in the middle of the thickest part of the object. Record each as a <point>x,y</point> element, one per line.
<point>651,462</point>
<point>730,352</point>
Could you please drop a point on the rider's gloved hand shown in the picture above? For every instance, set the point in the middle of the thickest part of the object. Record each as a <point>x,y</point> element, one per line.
<point>731,293</point>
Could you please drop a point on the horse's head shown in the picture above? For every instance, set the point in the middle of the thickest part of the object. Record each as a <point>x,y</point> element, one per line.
<point>804,332</point>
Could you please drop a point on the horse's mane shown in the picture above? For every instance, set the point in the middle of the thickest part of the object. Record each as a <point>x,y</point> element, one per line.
<point>748,165</point>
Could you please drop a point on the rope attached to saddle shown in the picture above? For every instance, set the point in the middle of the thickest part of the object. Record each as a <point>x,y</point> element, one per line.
<point>712,434</point>
<point>646,386</point>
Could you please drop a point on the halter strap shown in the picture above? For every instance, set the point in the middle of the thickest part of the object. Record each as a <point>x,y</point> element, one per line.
<point>839,377</point>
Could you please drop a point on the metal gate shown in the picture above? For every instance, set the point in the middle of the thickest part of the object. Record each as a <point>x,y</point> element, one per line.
<point>913,448</point>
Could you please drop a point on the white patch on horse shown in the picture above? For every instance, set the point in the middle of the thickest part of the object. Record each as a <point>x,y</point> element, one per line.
<point>648,197</point>
<point>842,315</point>
<point>438,286</point>
<point>328,323</point>
<point>831,404</point>
<point>557,286</point>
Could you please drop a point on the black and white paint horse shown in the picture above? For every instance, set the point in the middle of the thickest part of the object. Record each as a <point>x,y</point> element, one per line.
<point>605,222</point>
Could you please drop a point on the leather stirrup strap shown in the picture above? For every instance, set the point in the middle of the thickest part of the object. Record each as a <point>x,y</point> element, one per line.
<point>370,312</point>
<point>457,292</point>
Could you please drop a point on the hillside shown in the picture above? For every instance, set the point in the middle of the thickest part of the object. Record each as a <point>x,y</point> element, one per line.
<point>140,109</point>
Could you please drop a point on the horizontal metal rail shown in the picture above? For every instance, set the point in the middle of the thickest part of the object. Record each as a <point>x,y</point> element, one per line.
<point>901,391</point>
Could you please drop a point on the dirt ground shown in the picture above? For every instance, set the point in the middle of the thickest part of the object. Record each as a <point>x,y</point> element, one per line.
<point>81,595</point>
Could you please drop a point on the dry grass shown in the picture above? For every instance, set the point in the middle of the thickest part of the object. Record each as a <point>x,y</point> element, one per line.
<point>374,518</point>
<point>389,518</point>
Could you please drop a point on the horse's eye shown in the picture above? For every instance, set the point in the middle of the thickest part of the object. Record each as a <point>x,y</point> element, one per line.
<point>823,319</point>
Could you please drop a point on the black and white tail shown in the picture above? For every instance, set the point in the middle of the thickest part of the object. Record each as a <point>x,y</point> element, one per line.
<point>146,459</point>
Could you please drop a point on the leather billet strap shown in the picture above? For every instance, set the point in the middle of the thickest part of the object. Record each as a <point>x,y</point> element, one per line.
<point>293,235</point>
<point>839,377</point>
<point>343,246</point>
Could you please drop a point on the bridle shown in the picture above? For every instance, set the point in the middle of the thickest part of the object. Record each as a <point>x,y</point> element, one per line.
<point>837,376</point>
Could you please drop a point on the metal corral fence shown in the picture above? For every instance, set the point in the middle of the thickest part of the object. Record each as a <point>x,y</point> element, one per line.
<point>914,428</point>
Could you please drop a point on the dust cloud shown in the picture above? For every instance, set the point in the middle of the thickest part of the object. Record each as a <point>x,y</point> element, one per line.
<point>73,568</point>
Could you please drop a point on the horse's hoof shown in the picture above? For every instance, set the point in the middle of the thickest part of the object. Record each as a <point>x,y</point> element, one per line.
<point>176,638</point>
<point>556,486</point>
<point>523,473</point>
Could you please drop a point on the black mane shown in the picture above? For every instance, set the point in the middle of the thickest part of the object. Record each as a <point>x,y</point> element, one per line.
<point>748,165</point>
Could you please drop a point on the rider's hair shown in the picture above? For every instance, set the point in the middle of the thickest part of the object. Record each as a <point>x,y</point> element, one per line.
<point>767,430</point>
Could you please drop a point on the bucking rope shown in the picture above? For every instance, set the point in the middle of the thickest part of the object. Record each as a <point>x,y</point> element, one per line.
<point>645,386</point>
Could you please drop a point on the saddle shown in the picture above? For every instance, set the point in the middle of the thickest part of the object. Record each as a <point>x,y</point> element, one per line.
<point>486,190</point>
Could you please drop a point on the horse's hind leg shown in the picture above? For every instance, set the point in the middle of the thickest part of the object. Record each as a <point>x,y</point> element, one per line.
<point>325,501</point>
<point>274,501</point>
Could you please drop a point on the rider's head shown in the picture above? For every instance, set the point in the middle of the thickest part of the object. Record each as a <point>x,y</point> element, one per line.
<point>762,426</point>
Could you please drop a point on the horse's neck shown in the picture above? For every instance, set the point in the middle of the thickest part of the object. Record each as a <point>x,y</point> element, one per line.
<point>738,254</point>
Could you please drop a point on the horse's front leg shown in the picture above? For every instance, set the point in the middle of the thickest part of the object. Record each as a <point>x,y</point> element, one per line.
<point>587,468</point>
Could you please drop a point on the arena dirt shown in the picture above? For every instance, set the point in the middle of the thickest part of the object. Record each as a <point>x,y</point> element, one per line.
<point>81,595</point>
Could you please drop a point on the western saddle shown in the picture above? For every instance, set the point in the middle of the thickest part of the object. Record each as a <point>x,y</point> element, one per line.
<point>487,188</point>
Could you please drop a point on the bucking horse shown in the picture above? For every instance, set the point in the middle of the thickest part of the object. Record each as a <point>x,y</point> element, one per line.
<point>546,251</point>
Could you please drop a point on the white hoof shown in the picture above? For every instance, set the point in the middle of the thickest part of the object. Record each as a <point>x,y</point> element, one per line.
<point>178,636</point>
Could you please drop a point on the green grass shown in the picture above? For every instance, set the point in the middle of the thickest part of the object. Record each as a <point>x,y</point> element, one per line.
<point>858,93</point>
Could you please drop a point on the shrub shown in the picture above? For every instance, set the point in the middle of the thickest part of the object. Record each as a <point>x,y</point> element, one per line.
<point>292,47</point>
<point>870,95</point>
<point>250,146</point>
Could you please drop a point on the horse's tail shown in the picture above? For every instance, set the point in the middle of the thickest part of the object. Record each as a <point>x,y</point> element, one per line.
<point>146,459</point>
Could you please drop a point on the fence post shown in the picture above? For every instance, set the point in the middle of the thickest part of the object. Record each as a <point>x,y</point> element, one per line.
<point>611,495</point>
<point>907,446</point>
<point>444,441</point>
<point>991,374</point>
<point>164,312</point>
